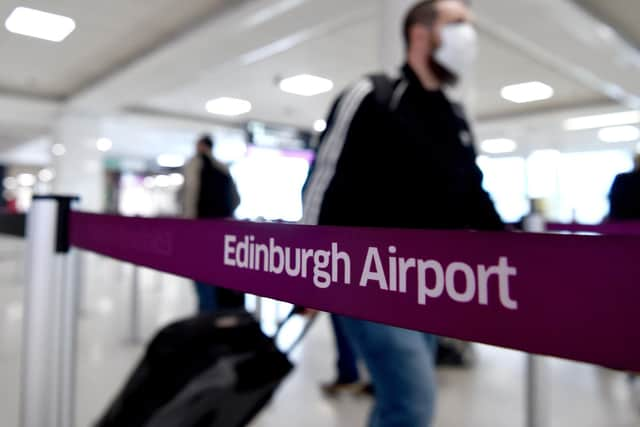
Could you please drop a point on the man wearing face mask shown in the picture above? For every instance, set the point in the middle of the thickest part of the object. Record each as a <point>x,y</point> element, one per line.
<point>399,153</point>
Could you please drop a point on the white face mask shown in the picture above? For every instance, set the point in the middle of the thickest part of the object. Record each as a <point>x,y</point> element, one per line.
<point>458,48</point>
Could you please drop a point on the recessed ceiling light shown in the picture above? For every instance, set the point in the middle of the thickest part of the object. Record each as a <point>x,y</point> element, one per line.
<point>228,106</point>
<point>39,24</point>
<point>170,161</point>
<point>104,144</point>
<point>498,146</point>
<point>527,92</point>
<point>603,120</point>
<point>306,85</point>
<point>26,180</point>
<point>320,125</point>
<point>619,134</point>
<point>58,150</point>
<point>46,175</point>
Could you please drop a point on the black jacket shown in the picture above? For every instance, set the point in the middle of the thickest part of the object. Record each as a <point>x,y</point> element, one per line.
<point>407,162</point>
<point>209,190</point>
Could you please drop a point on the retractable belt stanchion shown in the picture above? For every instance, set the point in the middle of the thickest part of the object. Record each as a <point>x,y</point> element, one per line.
<point>135,337</point>
<point>69,310</point>
<point>537,398</point>
<point>536,393</point>
<point>49,332</point>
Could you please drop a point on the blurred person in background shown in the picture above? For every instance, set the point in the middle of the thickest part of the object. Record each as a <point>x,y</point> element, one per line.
<point>625,194</point>
<point>348,376</point>
<point>209,192</point>
<point>399,153</point>
<point>624,198</point>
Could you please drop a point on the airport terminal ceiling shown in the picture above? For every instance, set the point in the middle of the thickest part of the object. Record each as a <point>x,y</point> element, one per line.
<point>112,113</point>
<point>619,14</point>
<point>177,58</point>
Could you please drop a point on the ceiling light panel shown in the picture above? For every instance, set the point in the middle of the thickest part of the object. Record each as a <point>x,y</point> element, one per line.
<point>39,24</point>
<point>527,92</point>
<point>306,85</point>
<point>603,120</point>
<point>229,107</point>
<point>58,150</point>
<point>104,144</point>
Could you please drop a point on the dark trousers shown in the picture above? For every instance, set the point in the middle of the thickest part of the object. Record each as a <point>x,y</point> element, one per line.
<point>346,361</point>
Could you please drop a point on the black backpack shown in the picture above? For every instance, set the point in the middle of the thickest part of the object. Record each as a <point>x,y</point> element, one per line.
<point>218,197</point>
<point>383,89</point>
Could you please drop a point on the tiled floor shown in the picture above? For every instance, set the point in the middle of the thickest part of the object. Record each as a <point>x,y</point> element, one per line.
<point>489,395</point>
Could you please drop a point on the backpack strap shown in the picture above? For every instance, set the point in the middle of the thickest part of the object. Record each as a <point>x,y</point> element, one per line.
<point>388,94</point>
<point>383,89</point>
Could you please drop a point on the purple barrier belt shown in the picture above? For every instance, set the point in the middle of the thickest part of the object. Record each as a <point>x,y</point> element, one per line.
<point>575,297</point>
<point>630,228</point>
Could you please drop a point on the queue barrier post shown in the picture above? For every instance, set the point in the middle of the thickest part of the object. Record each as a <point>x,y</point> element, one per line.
<point>536,391</point>
<point>48,362</point>
<point>537,405</point>
<point>70,308</point>
<point>135,336</point>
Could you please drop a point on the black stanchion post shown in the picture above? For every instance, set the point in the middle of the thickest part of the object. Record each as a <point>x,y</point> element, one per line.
<point>48,364</point>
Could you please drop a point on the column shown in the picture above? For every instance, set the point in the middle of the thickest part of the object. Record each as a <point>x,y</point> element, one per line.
<point>78,164</point>
<point>392,49</point>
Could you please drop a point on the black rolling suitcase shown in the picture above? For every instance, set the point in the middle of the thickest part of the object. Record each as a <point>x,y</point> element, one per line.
<point>209,371</point>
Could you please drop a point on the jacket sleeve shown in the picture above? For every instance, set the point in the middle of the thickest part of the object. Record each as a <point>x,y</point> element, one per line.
<point>191,188</point>
<point>325,188</point>
<point>481,213</point>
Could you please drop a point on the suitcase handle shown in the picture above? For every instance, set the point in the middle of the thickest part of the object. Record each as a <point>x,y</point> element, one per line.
<point>295,311</point>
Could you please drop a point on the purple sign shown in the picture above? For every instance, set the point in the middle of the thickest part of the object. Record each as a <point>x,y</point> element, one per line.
<point>575,297</point>
<point>622,228</point>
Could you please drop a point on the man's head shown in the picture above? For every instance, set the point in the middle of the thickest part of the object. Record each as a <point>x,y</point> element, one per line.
<point>204,145</point>
<point>439,38</point>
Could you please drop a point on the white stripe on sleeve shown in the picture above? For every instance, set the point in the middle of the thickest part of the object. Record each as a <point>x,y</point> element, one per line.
<point>331,149</point>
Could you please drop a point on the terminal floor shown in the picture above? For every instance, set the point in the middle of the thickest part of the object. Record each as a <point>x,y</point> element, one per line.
<point>489,395</point>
